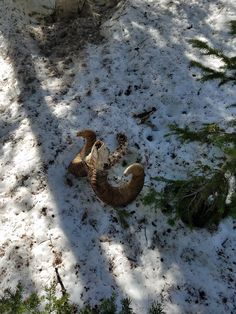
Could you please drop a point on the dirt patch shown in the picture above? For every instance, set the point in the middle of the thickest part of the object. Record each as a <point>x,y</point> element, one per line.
<point>60,38</point>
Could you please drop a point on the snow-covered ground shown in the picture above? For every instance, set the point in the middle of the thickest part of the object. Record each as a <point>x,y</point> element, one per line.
<point>141,62</point>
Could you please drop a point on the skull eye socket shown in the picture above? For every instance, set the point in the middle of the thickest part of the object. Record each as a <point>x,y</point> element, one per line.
<point>121,137</point>
<point>98,145</point>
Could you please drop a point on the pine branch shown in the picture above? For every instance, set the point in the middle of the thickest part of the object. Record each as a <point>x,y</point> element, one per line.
<point>228,73</point>
<point>203,135</point>
<point>210,134</point>
<point>214,76</point>
<point>208,50</point>
<point>211,74</point>
<point>232,27</point>
<point>230,63</point>
<point>199,65</point>
<point>126,306</point>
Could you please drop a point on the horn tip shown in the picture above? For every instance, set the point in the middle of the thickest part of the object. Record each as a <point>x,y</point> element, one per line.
<point>86,133</point>
<point>135,169</point>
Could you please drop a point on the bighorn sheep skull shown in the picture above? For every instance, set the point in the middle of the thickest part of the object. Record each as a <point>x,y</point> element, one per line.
<point>94,161</point>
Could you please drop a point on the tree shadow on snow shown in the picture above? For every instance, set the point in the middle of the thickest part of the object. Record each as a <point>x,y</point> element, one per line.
<point>51,142</point>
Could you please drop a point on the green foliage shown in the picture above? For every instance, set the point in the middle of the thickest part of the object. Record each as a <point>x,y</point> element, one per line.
<point>214,135</point>
<point>203,135</point>
<point>87,310</point>
<point>126,307</point>
<point>152,198</point>
<point>15,303</point>
<point>231,106</point>
<point>200,200</point>
<point>57,305</point>
<point>156,308</point>
<point>232,25</point>
<point>209,134</point>
<point>232,209</point>
<point>158,199</point>
<point>122,216</point>
<point>108,305</point>
<point>227,72</point>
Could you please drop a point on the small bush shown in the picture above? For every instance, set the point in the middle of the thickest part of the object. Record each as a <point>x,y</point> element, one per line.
<point>156,308</point>
<point>126,307</point>
<point>57,305</point>
<point>15,303</point>
<point>122,216</point>
<point>206,199</point>
<point>108,306</point>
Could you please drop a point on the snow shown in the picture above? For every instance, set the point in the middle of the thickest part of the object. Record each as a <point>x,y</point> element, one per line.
<point>142,62</point>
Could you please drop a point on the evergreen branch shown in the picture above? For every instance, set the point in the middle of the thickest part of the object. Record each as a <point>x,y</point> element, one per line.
<point>230,63</point>
<point>231,106</point>
<point>108,306</point>
<point>228,79</point>
<point>122,215</point>
<point>232,210</point>
<point>202,200</point>
<point>199,65</point>
<point>214,76</point>
<point>202,135</point>
<point>208,50</point>
<point>156,308</point>
<point>211,74</point>
<point>228,73</point>
<point>232,27</point>
<point>126,306</point>
<point>233,122</point>
<point>202,45</point>
<point>199,201</point>
<point>209,134</point>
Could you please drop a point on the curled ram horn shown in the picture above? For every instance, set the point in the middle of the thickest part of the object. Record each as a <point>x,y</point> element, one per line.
<point>77,167</point>
<point>98,177</point>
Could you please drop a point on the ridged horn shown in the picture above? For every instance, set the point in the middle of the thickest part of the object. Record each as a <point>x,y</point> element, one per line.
<point>77,167</point>
<point>98,177</point>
